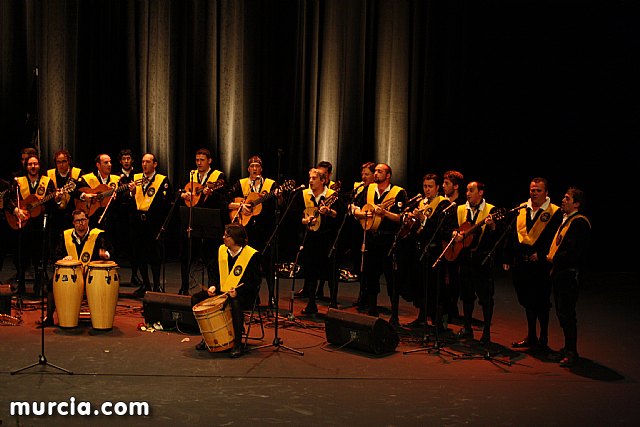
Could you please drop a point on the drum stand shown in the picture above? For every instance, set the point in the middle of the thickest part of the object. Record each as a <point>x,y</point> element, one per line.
<point>42,358</point>
<point>277,341</point>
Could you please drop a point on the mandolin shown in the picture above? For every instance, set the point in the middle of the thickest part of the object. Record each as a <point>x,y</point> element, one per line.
<point>254,203</point>
<point>469,230</point>
<point>196,189</point>
<point>104,192</point>
<point>314,212</point>
<point>32,206</point>
<point>373,222</point>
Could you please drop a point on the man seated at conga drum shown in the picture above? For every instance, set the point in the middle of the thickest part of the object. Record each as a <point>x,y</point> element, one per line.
<point>239,276</point>
<point>80,244</point>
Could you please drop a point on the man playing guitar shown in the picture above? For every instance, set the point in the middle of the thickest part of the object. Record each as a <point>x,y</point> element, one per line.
<point>379,209</point>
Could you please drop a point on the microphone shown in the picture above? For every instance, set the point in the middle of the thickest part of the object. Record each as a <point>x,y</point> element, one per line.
<point>452,205</point>
<point>299,187</point>
<point>517,208</point>
<point>414,199</point>
<point>358,187</point>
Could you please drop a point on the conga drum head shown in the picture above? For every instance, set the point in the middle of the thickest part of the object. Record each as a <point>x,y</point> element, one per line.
<point>103,264</point>
<point>68,263</point>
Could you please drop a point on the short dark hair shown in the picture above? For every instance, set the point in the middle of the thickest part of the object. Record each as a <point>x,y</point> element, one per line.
<point>124,152</point>
<point>254,159</point>
<point>578,197</point>
<point>64,153</point>
<point>369,165</point>
<point>432,176</point>
<point>28,150</point>
<point>538,180</point>
<point>237,232</point>
<point>327,165</point>
<point>454,176</point>
<point>204,151</point>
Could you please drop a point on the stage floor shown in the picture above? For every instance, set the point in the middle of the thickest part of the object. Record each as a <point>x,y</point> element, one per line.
<point>304,380</point>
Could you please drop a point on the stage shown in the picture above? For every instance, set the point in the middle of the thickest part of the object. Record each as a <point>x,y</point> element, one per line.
<point>327,384</point>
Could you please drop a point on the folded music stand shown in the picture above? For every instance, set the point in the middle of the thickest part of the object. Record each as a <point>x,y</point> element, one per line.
<point>205,223</point>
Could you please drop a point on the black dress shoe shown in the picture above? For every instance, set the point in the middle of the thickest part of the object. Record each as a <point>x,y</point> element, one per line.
<point>570,359</point>
<point>301,294</point>
<point>236,352</point>
<point>465,334</point>
<point>201,346</point>
<point>139,293</point>
<point>46,323</point>
<point>527,342</point>
<point>310,311</point>
<point>183,292</point>
<point>419,322</point>
<point>486,338</point>
<point>394,321</point>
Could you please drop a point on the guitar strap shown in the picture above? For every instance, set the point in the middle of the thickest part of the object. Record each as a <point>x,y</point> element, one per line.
<point>430,209</point>
<point>74,174</point>
<point>529,237</point>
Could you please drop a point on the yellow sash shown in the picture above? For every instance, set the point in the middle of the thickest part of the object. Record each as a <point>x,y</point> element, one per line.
<point>562,230</point>
<point>529,238</point>
<point>245,184</point>
<point>75,174</point>
<point>229,281</point>
<point>430,209</point>
<point>212,178</point>
<point>391,194</point>
<point>23,183</point>
<point>87,249</point>
<point>93,180</point>
<point>309,202</point>
<point>143,201</point>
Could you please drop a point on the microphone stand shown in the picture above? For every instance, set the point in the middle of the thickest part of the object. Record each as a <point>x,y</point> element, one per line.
<point>277,341</point>
<point>334,292</point>
<point>19,269</point>
<point>437,347</point>
<point>160,235</point>
<point>42,358</point>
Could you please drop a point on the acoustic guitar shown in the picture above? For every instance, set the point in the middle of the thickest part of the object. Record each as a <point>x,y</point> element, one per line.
<point>104,192</point>
<point>254,203</point>
<point>196,189</point>
<point>314,212</point>
<point>469,230</point>
<point>32,206</point>
<point>373,222</point>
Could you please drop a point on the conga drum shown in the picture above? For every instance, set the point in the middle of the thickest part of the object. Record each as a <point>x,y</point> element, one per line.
<point>216,324</point>
<point>103,285</point>
<point>68,289</point>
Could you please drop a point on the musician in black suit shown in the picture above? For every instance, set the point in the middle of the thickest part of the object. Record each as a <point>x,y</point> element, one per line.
<point>151,202</point>
<point>259,225</point>
<point>320,212</point>
<point>237,272</point>
<point>78,243</point>
<point>197,186</point>
<point>476,275</point>
<point>88,192</point>
<point>387,200</point>
<point>36,188</point>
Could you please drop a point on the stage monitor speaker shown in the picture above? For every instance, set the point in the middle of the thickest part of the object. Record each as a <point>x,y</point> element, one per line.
<point>361,332</point>
<point>170,310</point>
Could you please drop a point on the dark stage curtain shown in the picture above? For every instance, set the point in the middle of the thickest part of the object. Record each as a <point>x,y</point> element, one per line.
<point>498,90</point>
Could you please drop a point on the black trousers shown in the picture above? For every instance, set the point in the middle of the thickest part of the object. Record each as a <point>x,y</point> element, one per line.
<point>565,293</point>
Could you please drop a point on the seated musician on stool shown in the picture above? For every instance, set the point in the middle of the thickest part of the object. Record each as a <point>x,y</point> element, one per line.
<point>238,264</point>
<point>80,244</point>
